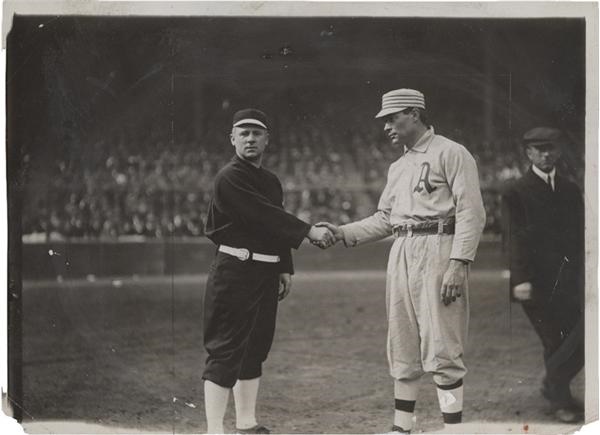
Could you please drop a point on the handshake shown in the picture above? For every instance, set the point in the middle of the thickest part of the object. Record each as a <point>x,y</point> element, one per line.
<point>324,235</point>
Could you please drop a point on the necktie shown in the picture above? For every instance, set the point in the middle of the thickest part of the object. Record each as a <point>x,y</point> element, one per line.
<point>550,182</point>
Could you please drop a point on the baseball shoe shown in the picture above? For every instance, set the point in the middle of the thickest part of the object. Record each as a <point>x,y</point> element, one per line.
<point>259,428</point>
<point>398,429</point>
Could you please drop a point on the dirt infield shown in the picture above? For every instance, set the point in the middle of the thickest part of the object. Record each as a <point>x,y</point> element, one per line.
<point>129,354</point>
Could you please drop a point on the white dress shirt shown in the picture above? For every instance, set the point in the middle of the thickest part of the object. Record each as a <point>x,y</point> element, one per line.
<point>544,176</point>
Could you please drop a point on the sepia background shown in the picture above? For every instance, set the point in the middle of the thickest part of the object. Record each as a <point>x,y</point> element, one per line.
<point>116,127</point>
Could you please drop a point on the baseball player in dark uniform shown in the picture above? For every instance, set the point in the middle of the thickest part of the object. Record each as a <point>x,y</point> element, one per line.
<point>250,273</point>
<point>543,222</point>
<point>433,206</point>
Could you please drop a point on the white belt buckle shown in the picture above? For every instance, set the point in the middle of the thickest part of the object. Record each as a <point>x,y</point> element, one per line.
<point>243,254</point>
<point>440,226</point>
<point>409,230</point>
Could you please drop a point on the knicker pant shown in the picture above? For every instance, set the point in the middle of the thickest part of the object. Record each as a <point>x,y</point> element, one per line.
<point>424,335</point>
<point>240,310</point>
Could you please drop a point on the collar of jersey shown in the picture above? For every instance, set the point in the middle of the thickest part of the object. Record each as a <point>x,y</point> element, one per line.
<point>237,158</point>
<point>423,142</point>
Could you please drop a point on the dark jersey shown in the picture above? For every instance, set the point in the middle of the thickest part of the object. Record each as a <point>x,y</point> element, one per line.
<point>246,211</point>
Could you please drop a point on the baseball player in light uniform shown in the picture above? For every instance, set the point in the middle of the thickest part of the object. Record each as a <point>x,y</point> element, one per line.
<point>433,206</point>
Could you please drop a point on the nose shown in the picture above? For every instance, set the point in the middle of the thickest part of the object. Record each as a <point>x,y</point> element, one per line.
<point>387,126</point>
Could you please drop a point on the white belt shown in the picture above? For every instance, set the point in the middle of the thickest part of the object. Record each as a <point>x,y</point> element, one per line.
<point>243,254</point>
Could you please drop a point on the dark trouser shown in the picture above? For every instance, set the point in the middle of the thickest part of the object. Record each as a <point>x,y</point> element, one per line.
<point>240,309</point>
<point>561,330</point>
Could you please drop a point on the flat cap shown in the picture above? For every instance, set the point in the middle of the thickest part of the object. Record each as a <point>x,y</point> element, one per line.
<point>399,100</point>
<point>250,117</point>
<point>541,136</point>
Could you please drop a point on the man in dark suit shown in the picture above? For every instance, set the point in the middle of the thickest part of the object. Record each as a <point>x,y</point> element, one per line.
<point>543,223</point>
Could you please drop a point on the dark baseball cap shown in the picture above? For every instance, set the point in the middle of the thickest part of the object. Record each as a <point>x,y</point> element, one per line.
<point>250,117</point>
<point>542,136</point>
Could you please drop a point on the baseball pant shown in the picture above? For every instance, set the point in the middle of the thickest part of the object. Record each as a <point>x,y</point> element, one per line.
<point>240,309</point>
<point>424,335</point>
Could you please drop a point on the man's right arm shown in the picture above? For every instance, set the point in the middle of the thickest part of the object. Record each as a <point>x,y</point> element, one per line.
<point>375,227</point>
<point>235,197</point>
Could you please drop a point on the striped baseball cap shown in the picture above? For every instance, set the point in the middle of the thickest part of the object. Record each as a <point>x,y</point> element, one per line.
<point>400,99</point>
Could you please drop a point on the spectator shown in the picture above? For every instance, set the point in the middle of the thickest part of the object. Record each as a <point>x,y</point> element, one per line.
<point>128,185</point>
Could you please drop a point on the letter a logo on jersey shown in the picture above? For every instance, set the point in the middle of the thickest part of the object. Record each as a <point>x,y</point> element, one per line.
<point>423,182</point>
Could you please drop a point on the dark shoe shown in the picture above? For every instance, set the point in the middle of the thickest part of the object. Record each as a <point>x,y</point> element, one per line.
<point>259,428</point>
<point>568,415</point>
<point>398,429</point>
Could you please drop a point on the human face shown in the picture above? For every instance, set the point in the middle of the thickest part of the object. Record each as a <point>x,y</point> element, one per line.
<point>250,142</point>
<point>401,127</point>
<point>544,156</point>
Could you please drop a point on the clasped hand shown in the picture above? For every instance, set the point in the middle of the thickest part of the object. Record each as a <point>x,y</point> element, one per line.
<point>324,235</point>
<point>321,237</point>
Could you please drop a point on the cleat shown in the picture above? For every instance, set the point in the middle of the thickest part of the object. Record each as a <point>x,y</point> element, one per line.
<point>259,428</point>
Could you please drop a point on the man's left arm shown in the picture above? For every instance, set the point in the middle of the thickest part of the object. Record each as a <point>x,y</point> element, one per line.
<point>286,265</point>
<point>285,285</point>
<point>463,180</point>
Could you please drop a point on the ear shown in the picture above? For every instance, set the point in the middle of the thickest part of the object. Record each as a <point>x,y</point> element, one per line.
<point>232,138</point>
<point>416,116</point>
<point>529,152</point>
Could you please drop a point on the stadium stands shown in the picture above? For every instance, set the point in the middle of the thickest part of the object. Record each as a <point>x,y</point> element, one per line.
<point>152,187</point>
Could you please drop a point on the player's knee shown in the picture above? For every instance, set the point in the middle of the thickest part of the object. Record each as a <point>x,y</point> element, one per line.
<point>221,376</point>
<point>449,376</point>
<point>447,371</point>
<point>250,370</point>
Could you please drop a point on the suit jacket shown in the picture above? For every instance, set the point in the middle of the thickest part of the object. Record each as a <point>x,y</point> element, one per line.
<point>544,236</point>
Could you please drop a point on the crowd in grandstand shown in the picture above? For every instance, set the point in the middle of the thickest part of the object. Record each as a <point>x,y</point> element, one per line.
<point>156,188</point>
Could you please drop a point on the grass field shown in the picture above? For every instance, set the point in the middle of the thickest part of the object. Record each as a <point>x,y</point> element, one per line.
<point>128,353</point>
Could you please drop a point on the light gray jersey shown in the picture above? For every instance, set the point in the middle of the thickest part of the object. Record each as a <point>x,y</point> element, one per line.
<point>436,179</point>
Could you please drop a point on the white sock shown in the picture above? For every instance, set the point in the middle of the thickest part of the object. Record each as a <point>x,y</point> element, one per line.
<point>244,395</point>
<point>215,405</point>
<point>451,402</point>
<point>405,394</point>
